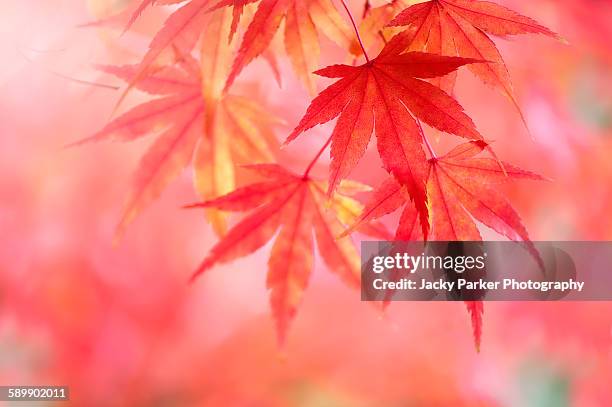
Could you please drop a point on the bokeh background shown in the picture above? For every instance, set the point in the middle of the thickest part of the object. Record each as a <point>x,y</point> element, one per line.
<point>121,326</point>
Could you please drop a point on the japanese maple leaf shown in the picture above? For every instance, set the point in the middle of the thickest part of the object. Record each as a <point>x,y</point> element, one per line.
<point>181,30</point>
<point>460,28</point>
<point>292,206</point>
<point>180,33</point>
<point>303,19</point>
<point>196,122</point>
<point>383,95</point>
<point>181,24</point>
<point>461,189</point>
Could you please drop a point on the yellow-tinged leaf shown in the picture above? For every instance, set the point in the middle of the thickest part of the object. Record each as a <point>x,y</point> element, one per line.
<point>216,53</point>
<point>196,125</point>
<point>302,43</point>
<point>213,167</point>
<point>302,19</point>
<point>295,204</point>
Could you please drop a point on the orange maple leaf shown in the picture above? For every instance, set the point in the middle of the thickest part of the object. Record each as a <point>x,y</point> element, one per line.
<point>181,30</point>
<point>383,95</point>
<point>459,28</point>
<point>303,19</point>
<point>296,205</point>
<point>199,123</point>
<point>460,187</point>
<point>459,184</point>
<point>302,22</point>
<point>180,33</point>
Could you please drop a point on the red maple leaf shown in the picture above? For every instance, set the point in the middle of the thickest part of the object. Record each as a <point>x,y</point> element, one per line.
<point>296,205</point>
<point>460,187</point>
<point>460,28</point>
<point>383,95</point>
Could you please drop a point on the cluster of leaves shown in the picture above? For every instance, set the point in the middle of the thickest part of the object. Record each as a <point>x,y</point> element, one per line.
<point>410,81</point>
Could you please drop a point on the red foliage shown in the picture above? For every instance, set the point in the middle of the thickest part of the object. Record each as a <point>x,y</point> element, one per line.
<point>389,96</point>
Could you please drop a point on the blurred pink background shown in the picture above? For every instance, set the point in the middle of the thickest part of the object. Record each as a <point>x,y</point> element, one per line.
<point>120,325</point>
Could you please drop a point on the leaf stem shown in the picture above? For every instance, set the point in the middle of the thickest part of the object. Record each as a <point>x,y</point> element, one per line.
<point>316,158</point>
<point>429,148</point>
<point>365,54</point>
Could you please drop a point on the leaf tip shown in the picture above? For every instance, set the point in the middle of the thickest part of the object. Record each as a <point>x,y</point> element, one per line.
<point>194,205</point>
<point>200,270</point>
<point>476,310</point>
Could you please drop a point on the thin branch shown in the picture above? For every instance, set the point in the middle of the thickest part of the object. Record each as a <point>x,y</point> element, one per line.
<point>365,54</point>
<point>316,158</point>
<point>66,77</point>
